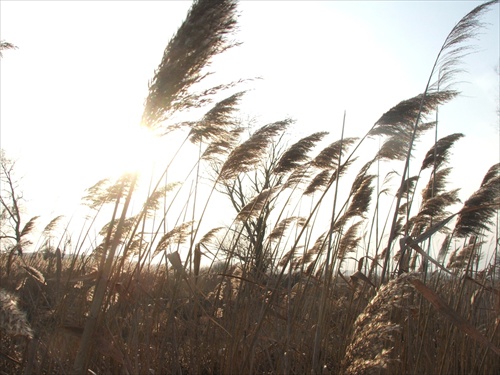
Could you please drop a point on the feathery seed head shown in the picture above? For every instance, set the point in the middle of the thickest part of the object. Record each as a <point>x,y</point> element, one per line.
<point>13,321</point>
<point>204,34</point>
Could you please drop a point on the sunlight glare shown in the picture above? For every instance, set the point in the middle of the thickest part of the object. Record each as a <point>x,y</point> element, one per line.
<point>134,151</point>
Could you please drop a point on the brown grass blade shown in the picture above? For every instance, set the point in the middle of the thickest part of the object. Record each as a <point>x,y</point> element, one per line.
<point>419,250</point>
<point>35,274</point>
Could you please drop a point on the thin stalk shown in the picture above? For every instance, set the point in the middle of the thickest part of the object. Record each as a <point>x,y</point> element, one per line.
<point>80,364</point>
<point>328,266</point>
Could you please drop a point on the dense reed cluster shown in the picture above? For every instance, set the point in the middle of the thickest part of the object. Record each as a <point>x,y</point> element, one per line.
<point>318,269</point>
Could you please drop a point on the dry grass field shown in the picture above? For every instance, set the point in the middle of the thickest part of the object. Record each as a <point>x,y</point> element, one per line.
<point>325,267</point>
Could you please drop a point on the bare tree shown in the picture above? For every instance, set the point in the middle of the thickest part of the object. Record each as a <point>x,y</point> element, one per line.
<point>13,233</point>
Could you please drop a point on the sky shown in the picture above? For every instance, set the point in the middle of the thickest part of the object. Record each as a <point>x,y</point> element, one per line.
<point>72,94</point>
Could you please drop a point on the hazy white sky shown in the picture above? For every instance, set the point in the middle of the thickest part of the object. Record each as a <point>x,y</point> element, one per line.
<point>80,75</point>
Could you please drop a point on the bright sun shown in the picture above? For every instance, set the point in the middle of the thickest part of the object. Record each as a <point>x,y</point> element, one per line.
<point>131,149</point>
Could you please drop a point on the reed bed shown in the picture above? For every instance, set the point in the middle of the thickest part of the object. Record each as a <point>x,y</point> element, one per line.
<point>311,272</point>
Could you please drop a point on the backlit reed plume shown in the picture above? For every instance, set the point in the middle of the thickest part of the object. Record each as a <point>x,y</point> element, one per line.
<point>314,253</point>
<point>223,145</point>
<point>253,208</point>
<point>104,191</point>
<point>300,174</point>
<point>319,181</point>
<point>29,226</point>
<point>328,157</point>
<point>13,320</point>
<point>176,236</point>
<point>436,184</point>
<point>360,177</point>
<point>361,199</point>
<point>250,152</point>
<point>5,46</point>
<point>461,257</point>
<point>126,227</point>
<point>407,187</point>
<point>396,146</point>
<point>445,246</point>
<point>368,351</point>
<point>478,211</point>
<point>435,200</point>
<point>283,225</point>
<point>400,119</point>
<point>327,177</point>
<point>359,202</point>
<point>216,122</point>
<point>52,225</point>
<point>154,200</point>
<point>296,154</point>
<point>210,235</point>
<point>204,34</point>
<point>349,241</point>
<point>455,46</point>
<point>440,152</point>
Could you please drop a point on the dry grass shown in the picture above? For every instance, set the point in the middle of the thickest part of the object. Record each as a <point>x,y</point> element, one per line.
<point>279,293</point>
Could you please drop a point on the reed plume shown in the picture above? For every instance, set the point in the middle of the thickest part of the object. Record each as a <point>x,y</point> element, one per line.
<point>361,199</point>
<point>36,274</point>
<point>455,47</point>
<point>299,175</point>
<point>349,241</point>
<point>13,321</point>
<point>104,191</point>
<point>216,122</point>
<point>319,181</point>
<point>52,225</point>
<point>5,46</point>
<point>282,226</point>
<point>29,226</point>
<point>153,201</point>
<point>445,246</point>
<point>460,258</point>
<point>478,211</point>
<point>436,184</point>
<point>367,352</point>
<point>440,152</point>
<point>326,177</point>
<point>435,199</point>
<point>400,119</point>
<point>223,145</point>
<point>328,157</point>
<point>250,152</point>
<point>176,236</point>
<point>204,34</point>
<point>253,208</point>
<point>126,227</point>
<point>210,235</point>
<point>296,154</point>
